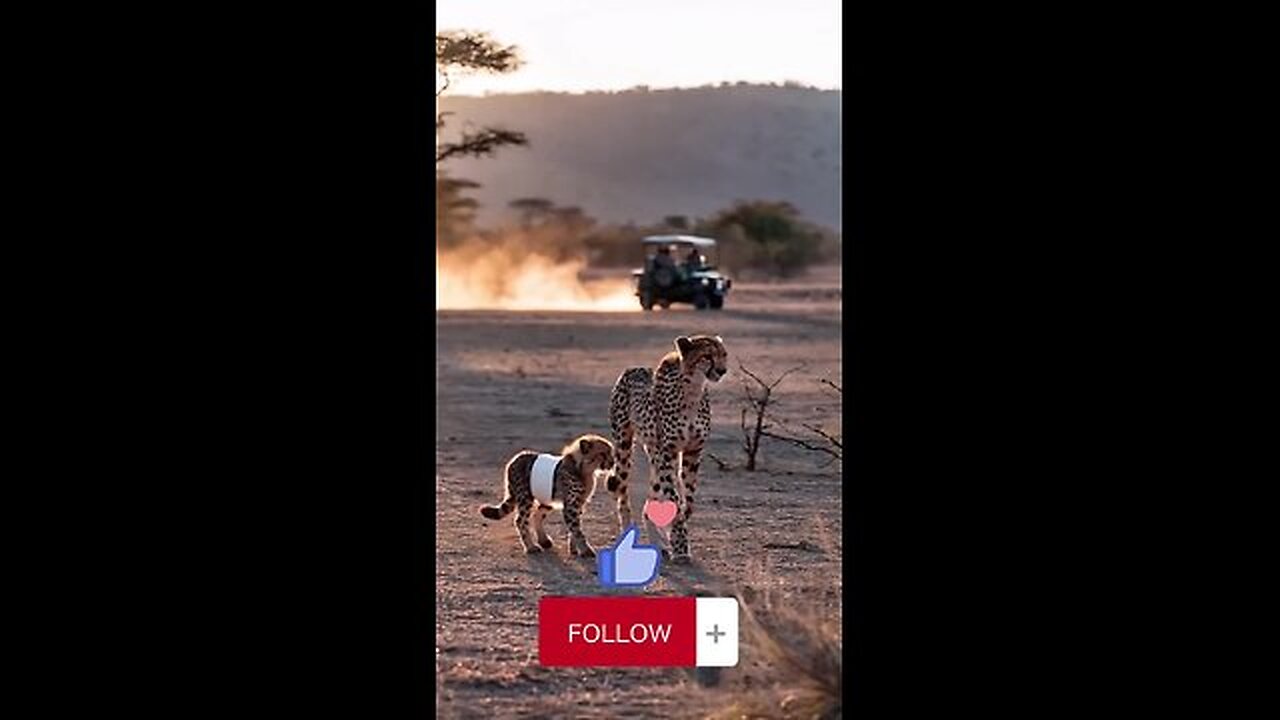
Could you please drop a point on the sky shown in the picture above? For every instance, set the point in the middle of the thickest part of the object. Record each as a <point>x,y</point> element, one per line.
<point>579,45</point>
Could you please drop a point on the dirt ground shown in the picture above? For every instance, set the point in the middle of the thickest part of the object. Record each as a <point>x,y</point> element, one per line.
<point>506,381</point>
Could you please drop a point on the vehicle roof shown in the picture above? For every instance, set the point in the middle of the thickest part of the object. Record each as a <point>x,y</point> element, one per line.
<point>679,240</point>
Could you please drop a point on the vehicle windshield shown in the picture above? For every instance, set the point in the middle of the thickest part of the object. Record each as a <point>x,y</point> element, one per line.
<point>683,255</point>
<point>679,250</point>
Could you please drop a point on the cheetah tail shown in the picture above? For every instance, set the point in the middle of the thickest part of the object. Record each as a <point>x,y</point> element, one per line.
<point>497,512</point>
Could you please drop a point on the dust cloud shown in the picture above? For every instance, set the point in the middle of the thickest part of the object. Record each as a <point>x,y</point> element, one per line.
<point>502,277</point>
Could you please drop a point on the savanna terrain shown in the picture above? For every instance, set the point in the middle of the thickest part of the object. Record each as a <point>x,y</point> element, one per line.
<point>508,380</point>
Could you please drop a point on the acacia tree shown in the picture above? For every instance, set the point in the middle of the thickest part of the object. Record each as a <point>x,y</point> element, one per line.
<point>459,52</point>
<point>532,210</point>
<point>455,213</point>
<point>767,234</point>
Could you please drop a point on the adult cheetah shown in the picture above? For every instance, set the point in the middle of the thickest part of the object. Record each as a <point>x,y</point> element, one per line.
<point>669,408</point>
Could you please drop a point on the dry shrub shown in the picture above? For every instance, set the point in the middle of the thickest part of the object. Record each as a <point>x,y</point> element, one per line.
<point>799,650</point>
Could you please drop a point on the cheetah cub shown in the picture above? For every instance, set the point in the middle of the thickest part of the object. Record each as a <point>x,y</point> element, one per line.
<point>538,483</point>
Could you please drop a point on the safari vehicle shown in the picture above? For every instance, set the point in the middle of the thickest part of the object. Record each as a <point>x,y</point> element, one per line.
<point>676,270</point>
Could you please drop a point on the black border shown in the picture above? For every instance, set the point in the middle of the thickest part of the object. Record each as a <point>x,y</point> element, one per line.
<point>247,529</point>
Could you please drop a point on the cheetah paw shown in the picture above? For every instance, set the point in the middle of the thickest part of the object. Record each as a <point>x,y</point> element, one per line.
<point>546,543</point>
<point>533,550</point>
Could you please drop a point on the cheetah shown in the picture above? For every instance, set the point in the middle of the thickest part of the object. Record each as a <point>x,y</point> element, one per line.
<point>536,484</point>
<point>670,409</point>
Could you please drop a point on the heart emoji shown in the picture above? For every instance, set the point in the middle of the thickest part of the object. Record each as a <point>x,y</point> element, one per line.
<point>661,512</point>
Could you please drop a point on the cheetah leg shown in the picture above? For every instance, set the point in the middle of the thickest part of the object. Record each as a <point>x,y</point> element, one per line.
<point>658,535</point>
<point>578,544</point>
<point>689,462</point>
<point>524,513</point>
<point>665,488</point>
<point>539,525</point>
<point>617,484</point>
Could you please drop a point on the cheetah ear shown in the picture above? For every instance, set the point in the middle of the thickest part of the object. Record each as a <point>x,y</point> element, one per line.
<point>719,339</point>
<point>584,446</point>
<point>684,344</point>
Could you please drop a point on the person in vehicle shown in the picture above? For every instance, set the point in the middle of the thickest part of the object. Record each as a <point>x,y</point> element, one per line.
<point>663,258</point>
<point>694,261</point>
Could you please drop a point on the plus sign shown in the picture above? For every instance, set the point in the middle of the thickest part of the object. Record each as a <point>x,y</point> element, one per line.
<point>716,633</point>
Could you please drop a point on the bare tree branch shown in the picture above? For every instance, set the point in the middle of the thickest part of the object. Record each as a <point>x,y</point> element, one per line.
<point>772,385</point>
<point>479,144</point>
<point>825,442</point>
<point>834,447</point>
<point>819,431</point>
<point>784,375</point>
<point>719,463</point>
<point>804,444</point>
<point>751,375</point>
<point>759,404</point>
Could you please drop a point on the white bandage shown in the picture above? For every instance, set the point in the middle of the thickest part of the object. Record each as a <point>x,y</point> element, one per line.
<point>542,478</point>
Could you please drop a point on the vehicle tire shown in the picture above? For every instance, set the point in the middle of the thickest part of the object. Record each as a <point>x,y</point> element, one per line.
<point>664,304</point>
<point>646,301</point>
<point>700,301</point>
<point>717,302</point>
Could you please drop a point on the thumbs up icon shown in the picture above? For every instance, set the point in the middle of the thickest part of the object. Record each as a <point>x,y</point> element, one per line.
<point>627,564</point>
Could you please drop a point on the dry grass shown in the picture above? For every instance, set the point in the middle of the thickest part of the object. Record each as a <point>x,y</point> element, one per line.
<point>796,661</point>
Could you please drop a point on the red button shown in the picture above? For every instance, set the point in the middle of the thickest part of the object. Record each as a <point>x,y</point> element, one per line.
<point>617,631</point>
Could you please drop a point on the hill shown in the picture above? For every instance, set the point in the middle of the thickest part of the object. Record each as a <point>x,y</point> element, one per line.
<point>640,155</point>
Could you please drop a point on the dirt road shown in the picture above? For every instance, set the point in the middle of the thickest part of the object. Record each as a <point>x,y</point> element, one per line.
<point>507,381</point>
